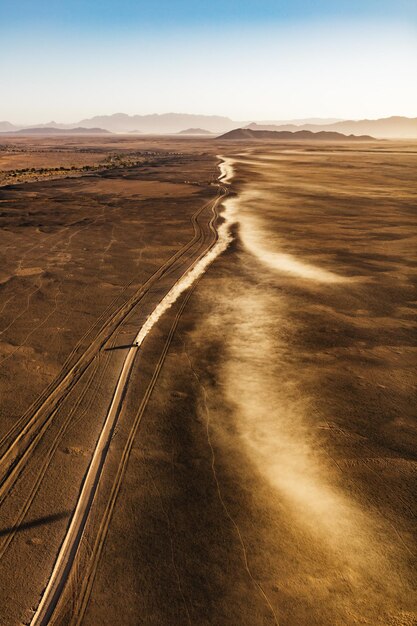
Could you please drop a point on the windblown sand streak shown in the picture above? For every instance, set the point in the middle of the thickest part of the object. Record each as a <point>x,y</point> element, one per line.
<point>254,240</point>
<point>226,170</point>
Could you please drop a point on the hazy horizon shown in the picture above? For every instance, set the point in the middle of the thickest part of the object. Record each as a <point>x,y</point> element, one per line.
<point>296,121</point>
<point>246,60</point>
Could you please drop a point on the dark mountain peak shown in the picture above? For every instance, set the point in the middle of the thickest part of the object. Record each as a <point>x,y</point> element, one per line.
<point>195,131</point>
<point>301,135</point>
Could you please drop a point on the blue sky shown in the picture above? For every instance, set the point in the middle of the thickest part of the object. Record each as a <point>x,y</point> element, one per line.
<point>133,13</point>
<point>264,59</point>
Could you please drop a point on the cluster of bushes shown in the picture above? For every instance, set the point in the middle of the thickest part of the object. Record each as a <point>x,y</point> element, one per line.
<point>113,161</point>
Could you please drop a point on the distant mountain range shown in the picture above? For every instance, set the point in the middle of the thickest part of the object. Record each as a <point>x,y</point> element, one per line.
<point>174,123</point>
<point>300,135</point>
<point>319,121</point>
<point>6,126</point>
<point>165,124</point>
<point>45,130</point>
<point>385,128</point>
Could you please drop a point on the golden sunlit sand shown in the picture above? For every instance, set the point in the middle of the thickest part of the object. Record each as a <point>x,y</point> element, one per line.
<point>261,466</point>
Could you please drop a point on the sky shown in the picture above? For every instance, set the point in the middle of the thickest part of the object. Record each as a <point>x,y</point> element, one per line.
<point>66,60</point>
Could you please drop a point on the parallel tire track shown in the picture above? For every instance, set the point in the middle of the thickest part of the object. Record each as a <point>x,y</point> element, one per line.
<point>69,548</point>
<point>13,459</point>
<point>67,423</point>
<point>45,464</point>
<point>90,572</point>
<point>43,398</point>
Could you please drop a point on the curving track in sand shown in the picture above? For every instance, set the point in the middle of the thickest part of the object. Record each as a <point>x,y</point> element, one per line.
<point>213,242</point>
<point>17,445</point>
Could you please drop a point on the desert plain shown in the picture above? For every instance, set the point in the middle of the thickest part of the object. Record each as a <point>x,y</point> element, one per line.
<point>260,467</point>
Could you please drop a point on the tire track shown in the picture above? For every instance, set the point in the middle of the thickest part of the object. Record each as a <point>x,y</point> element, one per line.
<point>69,549</point>
<point>13,458</point>
<point>91,570</point>
<point>44,467</point>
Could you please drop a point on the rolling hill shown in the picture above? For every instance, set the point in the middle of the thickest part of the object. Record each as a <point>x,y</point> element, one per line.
<point>301,135</point>
<point>395,127</point>
<point>195,131</point>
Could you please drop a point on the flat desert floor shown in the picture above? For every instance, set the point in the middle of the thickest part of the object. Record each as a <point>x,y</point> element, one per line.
<point>262,466</point>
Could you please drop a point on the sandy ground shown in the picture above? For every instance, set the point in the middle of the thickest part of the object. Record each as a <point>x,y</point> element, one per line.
<point>270,478</point>
<point>76,256</point>
<point>273,475</point>
<point>70,249</point>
